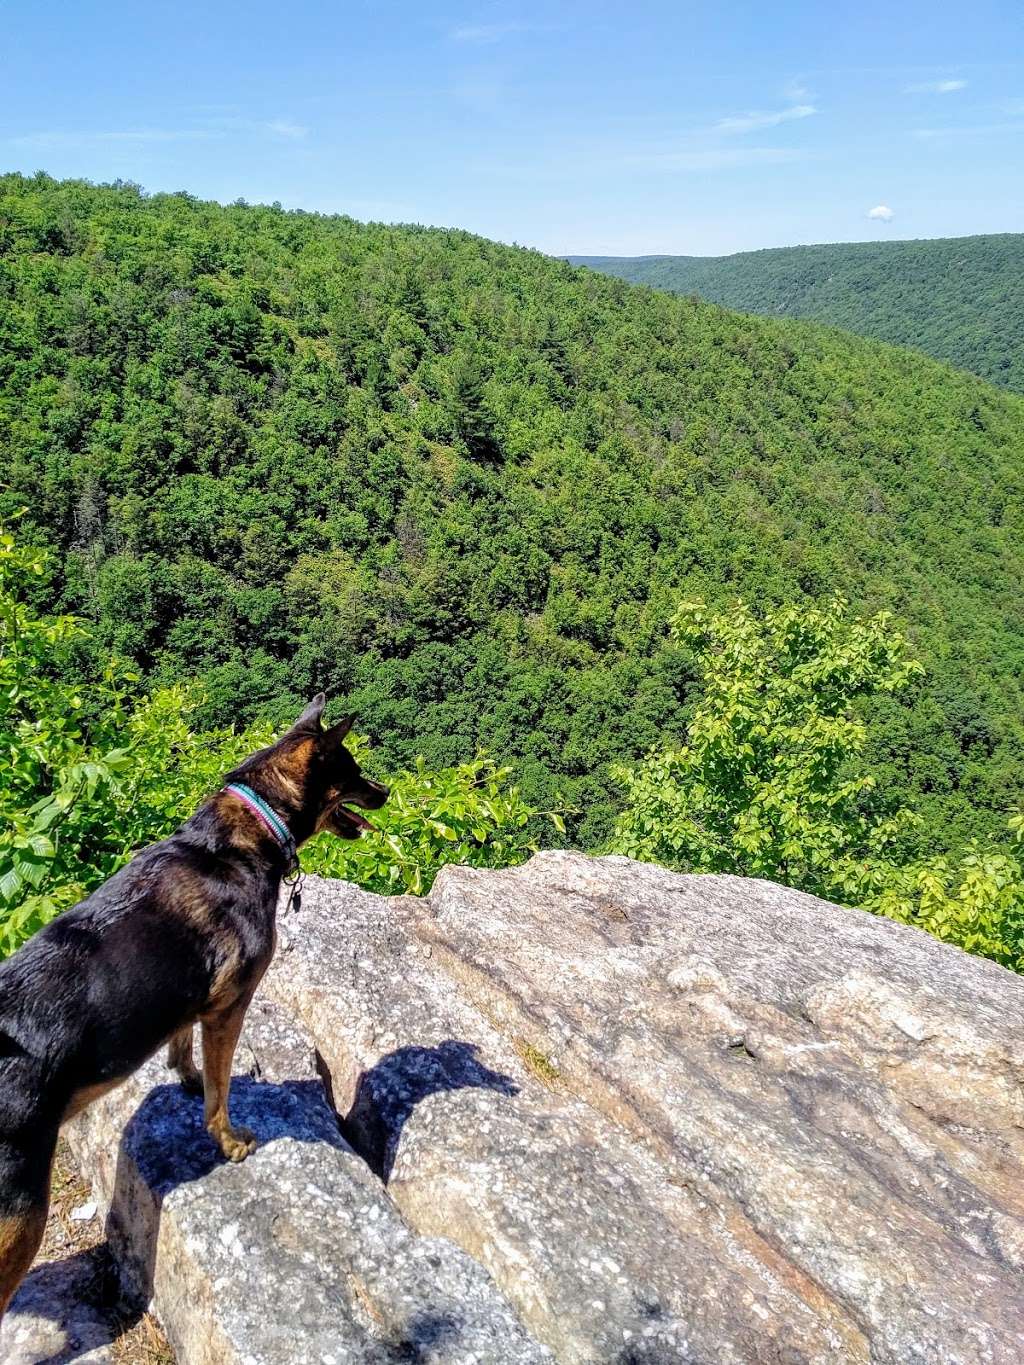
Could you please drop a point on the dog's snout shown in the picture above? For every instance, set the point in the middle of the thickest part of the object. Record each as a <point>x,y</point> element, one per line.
<point>371,795</point>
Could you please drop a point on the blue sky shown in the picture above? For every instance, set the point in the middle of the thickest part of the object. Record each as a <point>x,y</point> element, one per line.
<point>572,127</point>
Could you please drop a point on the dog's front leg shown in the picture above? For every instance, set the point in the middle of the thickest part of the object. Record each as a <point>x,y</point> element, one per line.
<point>21,1235</point>
<point>180,1059</point>
<point>220,1037</point>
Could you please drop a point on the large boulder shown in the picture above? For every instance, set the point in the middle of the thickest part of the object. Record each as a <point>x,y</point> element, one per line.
<point>593,1111</point>
<point>297,1255</point>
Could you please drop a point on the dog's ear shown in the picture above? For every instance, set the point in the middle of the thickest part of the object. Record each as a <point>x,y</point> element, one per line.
<point>310,718</point>
<point>337,733</point>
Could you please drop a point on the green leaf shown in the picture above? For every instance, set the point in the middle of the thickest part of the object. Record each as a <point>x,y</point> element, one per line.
<point>10,884</point>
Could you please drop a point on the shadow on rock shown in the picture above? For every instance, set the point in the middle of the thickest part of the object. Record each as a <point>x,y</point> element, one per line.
<point>388,1093</point>
<point>66,1309</point>
<point>424,1336</point>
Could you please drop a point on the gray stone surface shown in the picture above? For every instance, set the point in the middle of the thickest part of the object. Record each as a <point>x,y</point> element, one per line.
<point>749,1125</point>
<point>598,1113</point>
<point>297,1255</point>
<point>603,1257</point>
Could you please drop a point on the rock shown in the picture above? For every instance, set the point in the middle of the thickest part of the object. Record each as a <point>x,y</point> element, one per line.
<point>296,1255</point>
<point>591,1111</point>
<point>481,1142</point>
<point>698,1117</point>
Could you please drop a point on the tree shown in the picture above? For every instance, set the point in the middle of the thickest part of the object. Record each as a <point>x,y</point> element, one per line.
<point>768,782</point>
<point>765,784</point>
<point>274,452</point>
<point>89,778</point>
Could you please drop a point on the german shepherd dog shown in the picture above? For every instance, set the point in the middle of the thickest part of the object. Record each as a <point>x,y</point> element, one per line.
<point>181,934</point>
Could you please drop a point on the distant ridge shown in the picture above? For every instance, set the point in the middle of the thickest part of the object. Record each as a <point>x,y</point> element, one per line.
<point>960,299</point>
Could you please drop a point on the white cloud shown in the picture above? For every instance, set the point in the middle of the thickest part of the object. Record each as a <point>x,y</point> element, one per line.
<point>277,127</point>
<point>972,130</point>
<point>748,123</point>
<point>882,213</point>
<point>283,128</point>
<point>796,92</point>
<point>715,158</point>
<point>210,129</point>
<point>935,87</point>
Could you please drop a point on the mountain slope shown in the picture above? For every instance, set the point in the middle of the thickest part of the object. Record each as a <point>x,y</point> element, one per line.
<point>464,484</point>
<point>959,299</point>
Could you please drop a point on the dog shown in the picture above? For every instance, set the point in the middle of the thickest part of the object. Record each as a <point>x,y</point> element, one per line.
<point>181,934</point>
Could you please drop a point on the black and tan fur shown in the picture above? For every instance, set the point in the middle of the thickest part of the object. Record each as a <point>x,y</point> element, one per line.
<point>180,935</point>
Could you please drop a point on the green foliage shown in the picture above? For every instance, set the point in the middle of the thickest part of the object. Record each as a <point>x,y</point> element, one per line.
<point>770,781</point>
<point>975,901</point>
<point>464,485</point>
<point>959,299</point>
<point>765,784</point>
<point>469,814</point>
<point>90,779</point>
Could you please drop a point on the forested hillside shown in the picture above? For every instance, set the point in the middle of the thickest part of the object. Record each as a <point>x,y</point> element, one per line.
<point>960,299</point>
<point>467,485</point>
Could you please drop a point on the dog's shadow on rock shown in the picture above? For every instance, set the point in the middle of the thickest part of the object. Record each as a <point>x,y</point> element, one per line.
<point>73,1307</point>
<point>387,1094</point>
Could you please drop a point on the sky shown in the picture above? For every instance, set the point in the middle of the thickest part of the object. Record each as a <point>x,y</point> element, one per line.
<point>659,126</point>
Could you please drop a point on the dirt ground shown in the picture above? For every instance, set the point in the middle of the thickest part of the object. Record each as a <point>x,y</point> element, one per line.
<point>139,1341</point>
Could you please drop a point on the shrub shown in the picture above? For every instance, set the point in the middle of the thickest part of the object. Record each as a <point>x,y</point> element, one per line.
<point>469,814</point>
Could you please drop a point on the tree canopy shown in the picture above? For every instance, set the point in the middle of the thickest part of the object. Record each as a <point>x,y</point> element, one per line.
<point>466,485</point>
<point>770,781</point>
<point>93,774</point>
<point>959,299</point>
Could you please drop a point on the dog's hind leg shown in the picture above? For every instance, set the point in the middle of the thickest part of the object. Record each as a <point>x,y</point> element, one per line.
<point>220,1037</point>
<point>180,1059</point>
<point>24,1204</point>
<point>20,1238</point>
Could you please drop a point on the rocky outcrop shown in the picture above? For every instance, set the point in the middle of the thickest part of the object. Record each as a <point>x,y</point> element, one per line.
<point>297,1255</point>
<point>591,1111</point>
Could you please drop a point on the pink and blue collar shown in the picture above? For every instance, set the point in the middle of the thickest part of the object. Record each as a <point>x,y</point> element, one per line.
<point>268,816</point>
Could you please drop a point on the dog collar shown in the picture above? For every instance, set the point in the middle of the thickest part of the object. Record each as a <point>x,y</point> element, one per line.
<point>269,816</point>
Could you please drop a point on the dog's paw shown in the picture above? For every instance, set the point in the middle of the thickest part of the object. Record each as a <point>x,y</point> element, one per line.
<point>236,1143</point>
<point>191,1081</point>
